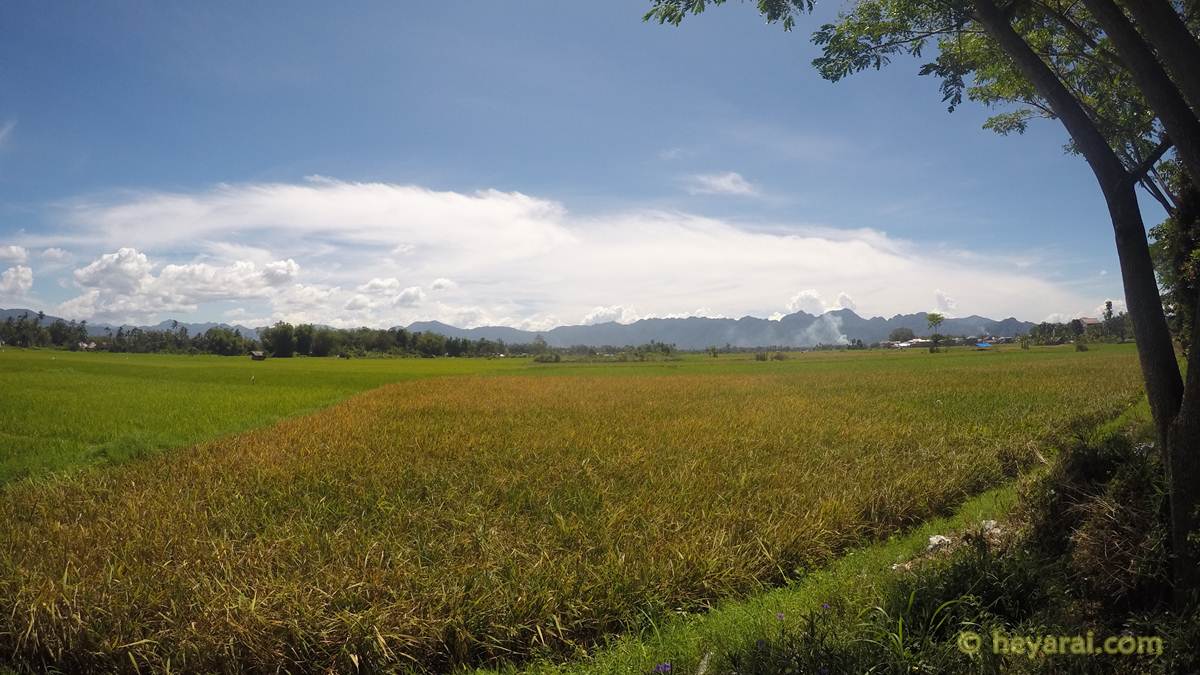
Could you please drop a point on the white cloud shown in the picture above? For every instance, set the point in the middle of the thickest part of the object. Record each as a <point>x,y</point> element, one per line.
<point>13,254</point>
<point>125,271</point>
<point>54,254</point>
<point>945,303</point>
<point>6,129</point>
<point>611,313</point>
<point>303,252</point>
<point>409,297</point>
<point>358,303</point>
<point>806,301</point>
<point>389,286</point>
<point>123,285</point>
<point>279,272</point>
<point>846,302</point>
<point>728,183</point>
<point>16,281</point>
<point>442,284</point>
<point>699,311</point>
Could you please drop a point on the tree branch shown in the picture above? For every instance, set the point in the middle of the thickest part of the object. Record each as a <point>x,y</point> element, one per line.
<point>1139,172</point>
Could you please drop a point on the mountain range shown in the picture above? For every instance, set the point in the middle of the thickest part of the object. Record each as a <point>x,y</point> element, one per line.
<point>801,329</point>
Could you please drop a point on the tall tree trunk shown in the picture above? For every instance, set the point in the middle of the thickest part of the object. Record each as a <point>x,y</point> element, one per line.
<point>1177,118</point>
<point>1175,44</point>
<point>1156,353</point>
<point>1184,471</point>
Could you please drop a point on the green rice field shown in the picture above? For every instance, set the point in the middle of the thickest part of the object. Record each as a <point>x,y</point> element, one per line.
<point>215,514</point>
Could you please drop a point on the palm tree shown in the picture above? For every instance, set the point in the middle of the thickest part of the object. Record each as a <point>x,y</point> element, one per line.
<point>935,319</point>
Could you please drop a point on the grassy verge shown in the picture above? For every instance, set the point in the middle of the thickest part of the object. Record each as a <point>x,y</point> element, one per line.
<point>858,577</point>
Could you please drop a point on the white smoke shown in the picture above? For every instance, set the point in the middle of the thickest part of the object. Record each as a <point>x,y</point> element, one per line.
<point>826,330</point>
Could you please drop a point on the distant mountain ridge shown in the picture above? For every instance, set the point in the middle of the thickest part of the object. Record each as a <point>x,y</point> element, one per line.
<point>97,329</point>
<point>801,329</point>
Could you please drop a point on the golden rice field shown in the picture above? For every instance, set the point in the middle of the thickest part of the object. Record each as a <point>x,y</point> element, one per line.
<point>470,520</point>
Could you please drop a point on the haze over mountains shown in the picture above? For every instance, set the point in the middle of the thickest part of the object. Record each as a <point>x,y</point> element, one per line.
<point>801,329</point>
<point>839,326</point>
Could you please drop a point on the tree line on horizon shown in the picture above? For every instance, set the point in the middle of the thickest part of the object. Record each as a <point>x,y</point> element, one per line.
<point>284,340</point>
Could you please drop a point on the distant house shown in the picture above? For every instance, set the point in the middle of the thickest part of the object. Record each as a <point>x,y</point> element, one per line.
<point>258,356</point>
<point>1088,321</point>
<point>87,346</point>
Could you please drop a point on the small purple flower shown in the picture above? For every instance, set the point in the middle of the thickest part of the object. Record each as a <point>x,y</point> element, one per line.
<point>825,606</point>
<point>779,616</point>
<point>663,667</point>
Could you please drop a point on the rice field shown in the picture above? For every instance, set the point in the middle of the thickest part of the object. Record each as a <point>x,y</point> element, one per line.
<point>519,511</point>
<point>65,409</point>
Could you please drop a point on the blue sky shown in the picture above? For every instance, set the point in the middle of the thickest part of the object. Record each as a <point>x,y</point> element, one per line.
<point>527,163</point>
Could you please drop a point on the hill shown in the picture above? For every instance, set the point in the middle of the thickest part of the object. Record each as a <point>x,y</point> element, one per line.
<point>794,330</point>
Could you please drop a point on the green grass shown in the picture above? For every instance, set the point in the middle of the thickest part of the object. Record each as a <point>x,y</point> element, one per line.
<point>60,410</point>
<point>527,512</point>
<point>858,578</point>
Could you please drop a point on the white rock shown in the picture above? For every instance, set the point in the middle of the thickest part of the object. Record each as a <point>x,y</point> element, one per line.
<point>937,541</point>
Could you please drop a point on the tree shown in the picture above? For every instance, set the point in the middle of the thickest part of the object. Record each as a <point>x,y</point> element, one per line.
<point>934,320</point>
<point>901,334</point>
<point>324,342</point>
<point>280,340</point>
<point>304,339</point>
<point>1054,81</point>
<point>1176,252</point>
<point>430,344</point>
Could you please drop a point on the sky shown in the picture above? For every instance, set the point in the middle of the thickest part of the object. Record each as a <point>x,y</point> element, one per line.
<point>530,163</point>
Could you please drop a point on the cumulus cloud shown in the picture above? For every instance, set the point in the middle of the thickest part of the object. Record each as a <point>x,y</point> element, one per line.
<point>945,303</point>
<point>13,254</point>
<point>124,271</point>
<point>515,259</point>
<point>54,254</point>
<point>409,297</point>
<point>442,284</point>
<point>699,311</point>
<point>16,281</point>
<point>616,313</point>
<point>377,286</point>
<point>728,183</point>
<point>806,301</point>
<point>810,301</point>
<point>123,285</point>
